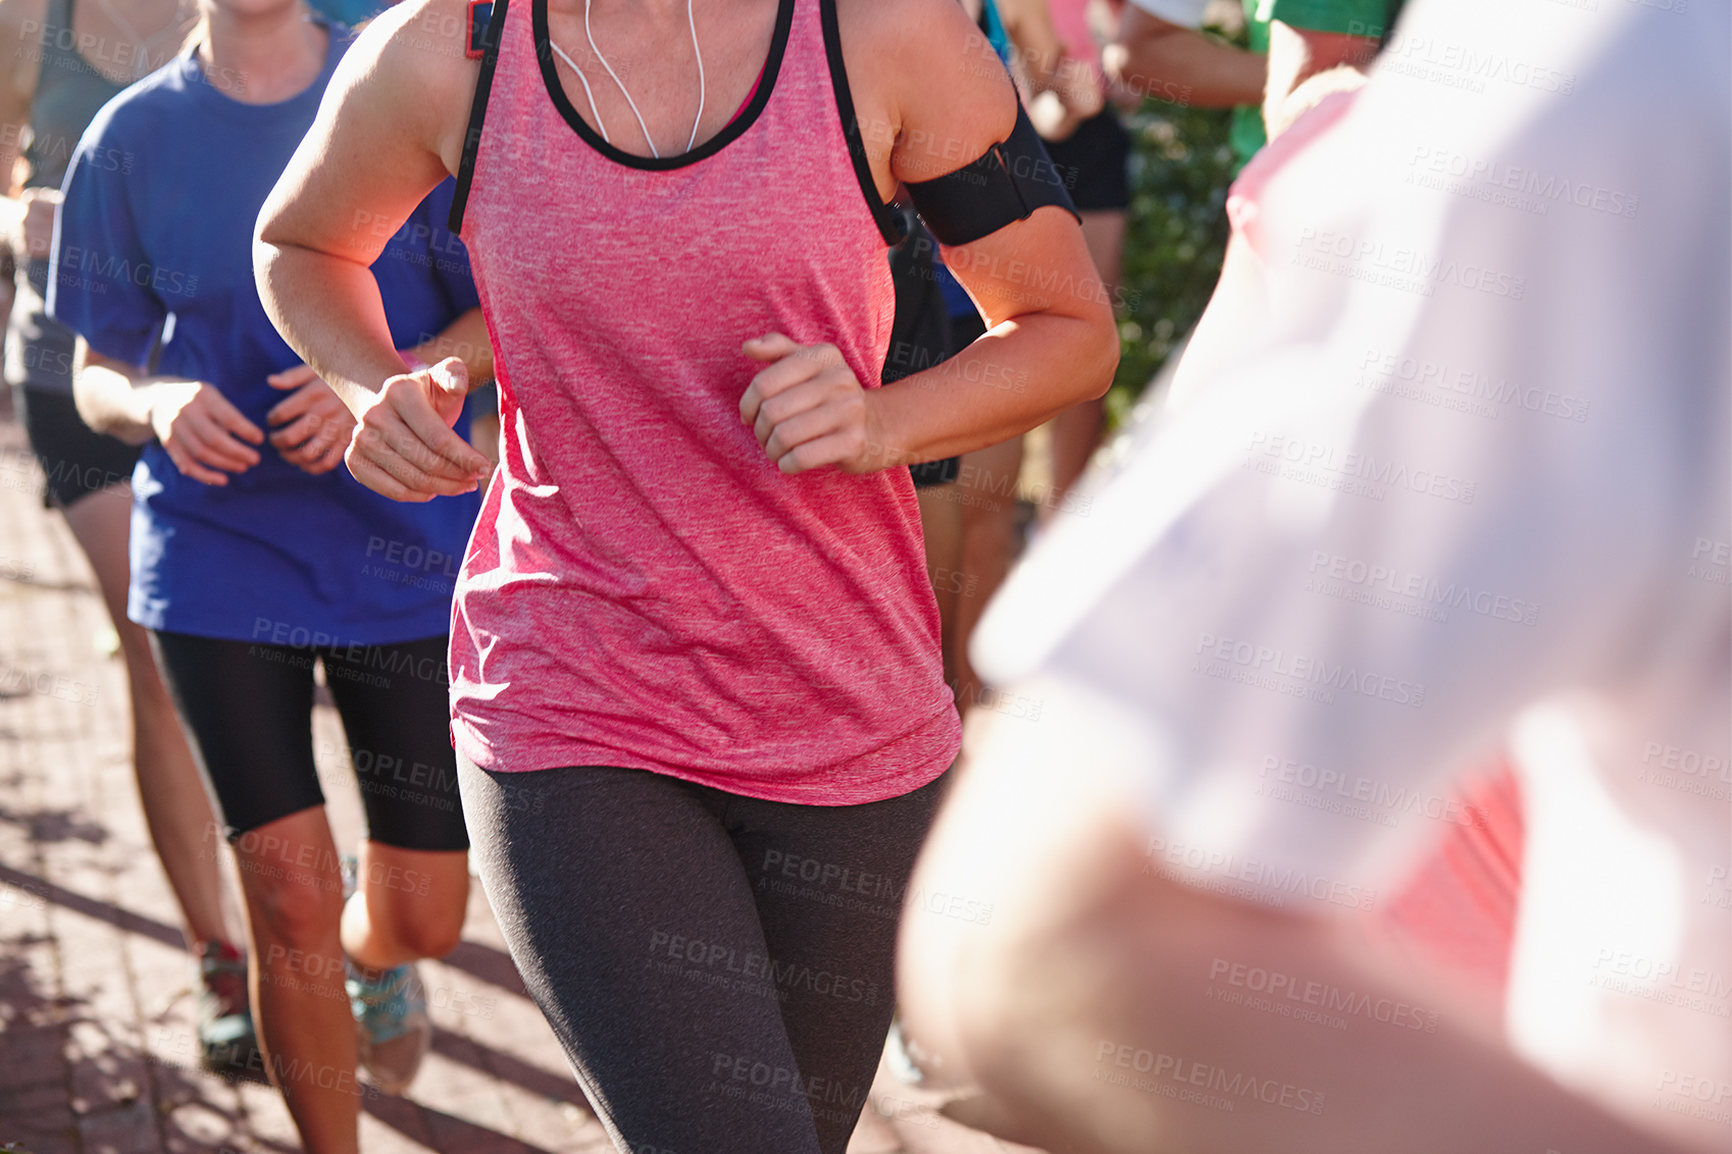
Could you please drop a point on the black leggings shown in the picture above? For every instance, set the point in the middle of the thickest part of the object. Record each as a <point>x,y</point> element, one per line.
<point>249,711</point>
<point>718,968</point>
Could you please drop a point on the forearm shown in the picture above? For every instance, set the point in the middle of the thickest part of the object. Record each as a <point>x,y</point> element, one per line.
<point>1166,62</point>
<point>466,339</point>
<point>329,310</point>
<point>112,397</point>
<point>1018,375</point>
<point>1028,23</point>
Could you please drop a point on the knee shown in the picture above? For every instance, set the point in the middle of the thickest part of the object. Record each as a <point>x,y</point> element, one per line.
<point>300,912</point>
<point>431,937</point>
<point>422,930</point>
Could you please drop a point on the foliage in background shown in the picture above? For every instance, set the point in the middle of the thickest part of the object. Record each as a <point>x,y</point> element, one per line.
<point>1181,166</point>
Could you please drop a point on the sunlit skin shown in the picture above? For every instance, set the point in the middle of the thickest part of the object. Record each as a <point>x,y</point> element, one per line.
<point>925,102</point>
<point>1091,959</point>
<point>261,52</point>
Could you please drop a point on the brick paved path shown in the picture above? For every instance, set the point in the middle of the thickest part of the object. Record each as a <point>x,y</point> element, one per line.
<point>96,1004</point>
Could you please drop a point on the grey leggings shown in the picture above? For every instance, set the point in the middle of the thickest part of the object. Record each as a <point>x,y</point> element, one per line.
<point>718,968</point>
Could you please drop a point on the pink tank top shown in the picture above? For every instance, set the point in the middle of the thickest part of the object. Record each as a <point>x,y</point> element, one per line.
<point>644,588</point>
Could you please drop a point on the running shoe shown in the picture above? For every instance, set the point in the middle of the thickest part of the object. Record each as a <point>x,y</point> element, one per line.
<point>227,1041</point>
<point>390,1010</point>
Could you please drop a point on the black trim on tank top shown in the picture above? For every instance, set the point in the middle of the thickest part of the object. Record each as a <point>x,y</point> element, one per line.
<point>732,131</point>
<point>491,35</point>
<point>890,223</point>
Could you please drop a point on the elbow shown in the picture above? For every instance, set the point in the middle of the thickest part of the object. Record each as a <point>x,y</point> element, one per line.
<point>265,253</point>
<point>1099,355</point>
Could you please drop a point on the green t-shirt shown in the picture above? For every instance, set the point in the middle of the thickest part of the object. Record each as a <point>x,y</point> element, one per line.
<point>1369,18</point>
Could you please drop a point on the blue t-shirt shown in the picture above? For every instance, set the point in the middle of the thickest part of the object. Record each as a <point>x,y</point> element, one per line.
<point>153,266</point>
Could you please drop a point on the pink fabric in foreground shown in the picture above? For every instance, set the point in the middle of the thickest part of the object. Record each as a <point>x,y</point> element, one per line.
<point>644,588</point>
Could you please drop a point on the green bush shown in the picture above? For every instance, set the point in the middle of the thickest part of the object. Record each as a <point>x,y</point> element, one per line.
<point>1181,166</point>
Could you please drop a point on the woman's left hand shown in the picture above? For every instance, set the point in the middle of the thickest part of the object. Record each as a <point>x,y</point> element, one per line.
<point>312,424</point>
<point>808,409</point>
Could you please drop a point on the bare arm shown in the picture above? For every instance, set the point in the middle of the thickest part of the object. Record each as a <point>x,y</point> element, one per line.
<point>1093,968</point>
<point>389,130</point>
<point>112,396</point>
<point>928,104</point>
<point>1306,66</point>
<point>20,37</point>
<point>204,434</point>
<point>1170,62</point>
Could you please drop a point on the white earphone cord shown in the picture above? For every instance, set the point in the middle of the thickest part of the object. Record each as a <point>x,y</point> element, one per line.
<point>691,21</point>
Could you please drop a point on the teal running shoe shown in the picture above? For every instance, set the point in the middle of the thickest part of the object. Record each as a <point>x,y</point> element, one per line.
<point>390,1009</point>
<point>395,1033</point>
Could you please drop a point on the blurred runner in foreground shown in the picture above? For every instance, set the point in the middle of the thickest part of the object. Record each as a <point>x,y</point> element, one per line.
<point>1473,490</point>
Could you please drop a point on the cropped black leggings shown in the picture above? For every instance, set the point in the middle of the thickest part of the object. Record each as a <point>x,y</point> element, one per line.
<point>718,968</point>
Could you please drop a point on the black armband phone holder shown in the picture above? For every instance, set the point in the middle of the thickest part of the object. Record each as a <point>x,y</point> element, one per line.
<point>1005,185</point>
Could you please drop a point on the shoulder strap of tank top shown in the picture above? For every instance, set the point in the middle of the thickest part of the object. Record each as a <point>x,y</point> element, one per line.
<point>490,33</point>
<point>890,222</point>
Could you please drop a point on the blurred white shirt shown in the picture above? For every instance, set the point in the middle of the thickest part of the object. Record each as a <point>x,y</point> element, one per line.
<point>1473,490</point>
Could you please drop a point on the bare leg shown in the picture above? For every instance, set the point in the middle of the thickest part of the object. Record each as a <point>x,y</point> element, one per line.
<point>409,904</point>
<point>1077,431</point>
<point>177,809</point>
<point>986,490</point>
<point>294,893</point>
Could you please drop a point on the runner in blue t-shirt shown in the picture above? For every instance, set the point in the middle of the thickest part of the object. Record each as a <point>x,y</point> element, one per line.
<point>254,557</point>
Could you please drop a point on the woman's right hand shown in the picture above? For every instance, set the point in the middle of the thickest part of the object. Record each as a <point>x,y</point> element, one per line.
<point>403,447</point>
<point>205,436</point>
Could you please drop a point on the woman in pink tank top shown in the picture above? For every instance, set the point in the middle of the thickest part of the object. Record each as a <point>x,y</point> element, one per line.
<point>697,693</point>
